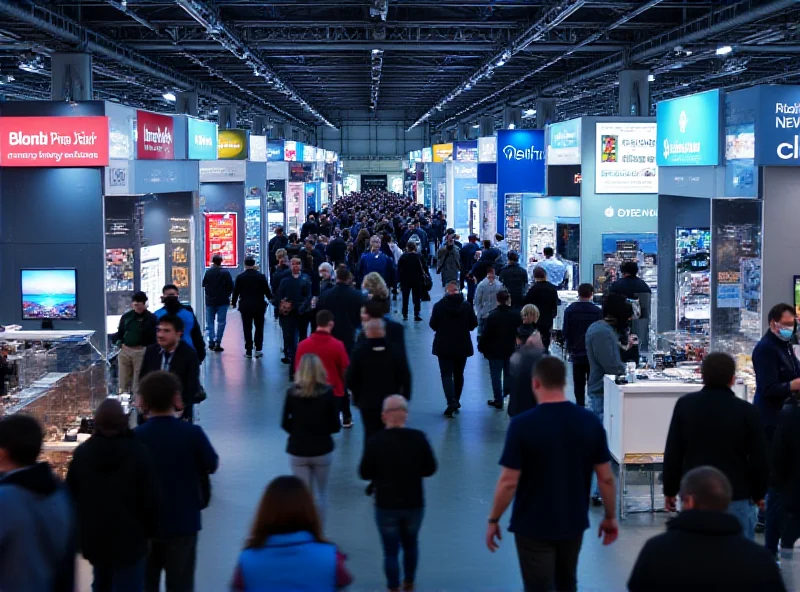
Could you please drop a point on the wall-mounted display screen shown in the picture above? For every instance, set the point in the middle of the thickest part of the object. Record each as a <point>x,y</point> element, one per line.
<point>564,180</point>
<point>49,294</point>
<point>626,158</point>
<point>693,279</point>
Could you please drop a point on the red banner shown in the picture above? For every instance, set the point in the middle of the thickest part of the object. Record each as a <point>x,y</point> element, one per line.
<point>53,141</point>
<point>222,238</point>
<point>155,136</point>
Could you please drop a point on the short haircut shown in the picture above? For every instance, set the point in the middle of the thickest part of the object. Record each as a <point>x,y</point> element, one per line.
<point>548,251</point>
<point>629,268</point>
<point>293,259</point>
<point>158,389</point>
<point>452,283</point>
<point>343,274</point>
<point>411,246</point>
<point>539,273</point>
<point>718,370</point>
<point>551,372</point>
<point>585,291</point>
<point>616,306</point>
<point>324,318</point>
<point>139,297</point>
<point>109,419</point>
<point>375,308</point>
<point>21,437</point>
<point>173,320</point>
<point>280,254</point>
<point>503,297</point>
<point>777,311</point>
<point>217,259</point>
<point>512,256</point>
<point>394,402</point>
<point>489,268</point>
<point>249,262</point>
<point>709,487</point>
<point>169,287</point>
<point>487,244</point>
<point>498,237</point>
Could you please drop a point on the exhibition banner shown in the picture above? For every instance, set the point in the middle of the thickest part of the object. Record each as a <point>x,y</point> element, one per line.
<point>465,198</point>
<point>53,141</point>
<point>290,151</point>
<point>275,151</point>
<point>121,126</point>
<point>626,158</point>
<point>689,130</point>
<point>232,144</point>
<point>487,149</point>
<point>520,166</point>
<point>442,152</point>
<point>466,151</point>
<point>258,148</point>
<point>564,142</point>
<point>202,142</point>
<point>221,238</point>
<point>778,126</point>
<point>155,136</point>
<point>295,206</point>
<point>427,155</point>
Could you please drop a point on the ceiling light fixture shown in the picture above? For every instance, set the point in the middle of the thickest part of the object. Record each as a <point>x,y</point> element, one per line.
<point>724,50</point>
<point>168,96</point>
<point>651,78</point>
<point>511,126</point>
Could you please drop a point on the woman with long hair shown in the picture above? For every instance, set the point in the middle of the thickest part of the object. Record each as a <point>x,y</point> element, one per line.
<point>286,549</point>
<point>310,416</point>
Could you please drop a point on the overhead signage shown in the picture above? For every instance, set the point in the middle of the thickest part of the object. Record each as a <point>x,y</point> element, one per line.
<point>53,141</point>
<point>117,179</point>
<point>427,155</point>
<point>214,171</point>
<point>320,155</point>
<point>155,136</point>
<point>258,148</point>
<point>442,152</point>
<point>222,238</point>
<point>778,126</point>
<point>330,156</point>
<point>467,151</point>
<point>274,151</point>
<point>121,126</point>
<point>487,149</point>
<point>465,171</point>
<point>689,130</point>
<point>564,143</point>
<point>232,144</point>
<point>626,158</point>
<point>612,212</point>
<point>202,139</point>
<point>520,166</point>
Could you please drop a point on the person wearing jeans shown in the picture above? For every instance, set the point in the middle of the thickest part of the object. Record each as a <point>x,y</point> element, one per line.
<point>219,315</point>
<point>498,343</point>
<point>396,460</point>
<point>218,286</point>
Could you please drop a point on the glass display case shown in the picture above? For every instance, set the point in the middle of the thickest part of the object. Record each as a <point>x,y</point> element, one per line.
<point>693,281</point>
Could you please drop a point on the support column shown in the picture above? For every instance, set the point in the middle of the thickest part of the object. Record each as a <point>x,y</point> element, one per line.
<point>186,103</point>
<point>512,116</point>
<point>227,116</point>
<point>464,131</point>
<point>487,127</point>
<point>448,136</point>
<point>259,127</point>
<point>71,77</point>
<point>545,112</point>
<point>634,93</point>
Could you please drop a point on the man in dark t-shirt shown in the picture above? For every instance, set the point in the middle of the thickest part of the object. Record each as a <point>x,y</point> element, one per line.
<point>548,460</point>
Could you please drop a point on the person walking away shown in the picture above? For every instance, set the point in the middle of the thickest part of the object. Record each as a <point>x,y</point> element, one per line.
<point>468,258</point>
<point>171,354</point>
<point>378,368</point>
<point>184,458</point>
<point>578,317</point>
<point>411,271</point>
<point>520,395</point>
<point>279,241</point>
<point>113,481</point>
<point>452,321</point>
<point>785,475</point>
<point>515,279</point>
<point>37,523</point>
<point>486,297</point>
<point>501,244</point>
<point>192,334</point>
<point>137,330</point>
<point>276,275</point>
<point>218,286</point>
<point>396,460</point>
<point>550,454</point>
<point>334,358</point>
<point>285,549</point>
<point>703,548</point>
<point>378,308</point>
<point>556,270</point>
<point>378,262</point>
<point>448,260</point>
<point>293,299</point>
<point>544,296</point>
<point>337,250</point>
<point>310,416</point>
<point>497,344</point>
<point>714,427</point>
<point>344,302</point>
<point>252,293</point>
<point>777,373</point>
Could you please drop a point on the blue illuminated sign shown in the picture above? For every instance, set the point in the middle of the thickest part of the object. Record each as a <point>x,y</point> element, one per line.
<point>202,141</point>
<point>688,131</point>
<point>275,151</point>
<point>520,166</point>
<point>778,126</point>
<point>564,142</point>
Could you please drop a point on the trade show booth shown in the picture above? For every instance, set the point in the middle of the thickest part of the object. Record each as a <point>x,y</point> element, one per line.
<point>462,196</point>
<point>487,186</point>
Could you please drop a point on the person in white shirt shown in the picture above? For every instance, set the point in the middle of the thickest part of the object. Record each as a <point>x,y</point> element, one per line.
<point>486,296</point>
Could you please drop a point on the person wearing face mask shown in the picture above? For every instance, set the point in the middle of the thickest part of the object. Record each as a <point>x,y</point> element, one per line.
<point>777,378</point>
<point>192,334</point>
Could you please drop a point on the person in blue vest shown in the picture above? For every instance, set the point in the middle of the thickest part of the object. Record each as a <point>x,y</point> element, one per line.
<point>378,262</point>
<point>192,333</point>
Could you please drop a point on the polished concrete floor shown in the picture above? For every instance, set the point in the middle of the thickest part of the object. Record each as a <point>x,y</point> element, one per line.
<point>242,417</point>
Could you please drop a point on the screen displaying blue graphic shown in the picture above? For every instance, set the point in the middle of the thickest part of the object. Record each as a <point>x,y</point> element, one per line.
<point>466,151</point>
<point>520,166</point>
<point>778,126</point>
<point>312,197</point>
<point>689,130</point>
<point>49,294</point>
<point>202,139</point>
<point>274,151</point>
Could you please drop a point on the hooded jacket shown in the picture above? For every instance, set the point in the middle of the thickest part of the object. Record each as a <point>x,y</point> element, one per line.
<point>113,484</point>
<point>453,319</point>
<point>37,532</point>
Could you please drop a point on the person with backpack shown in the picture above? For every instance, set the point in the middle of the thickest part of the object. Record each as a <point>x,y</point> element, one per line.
<point>448,260</point>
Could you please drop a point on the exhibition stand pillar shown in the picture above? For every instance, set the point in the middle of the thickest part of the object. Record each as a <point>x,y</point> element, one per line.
<point>186,103</point>
<point>634,93</point>
<point>512,118</point>
<point>71,77</point>
<point>545,112</point>
<point>259,127</point>
<point>227,116</point>
<point>486,127</point>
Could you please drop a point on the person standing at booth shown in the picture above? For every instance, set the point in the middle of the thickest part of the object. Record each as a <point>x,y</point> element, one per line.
<point>218,285</point>
<point>137,330</point>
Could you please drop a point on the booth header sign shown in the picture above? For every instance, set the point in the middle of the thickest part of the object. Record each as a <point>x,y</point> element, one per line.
<point>520,166</point>
<point>232,144</point>
<point>778,126</point>
<point>427,155</point>
<point>290,151</point>
<point>564,146</point>
<point>202,139</point>
<point>626,158</point>
<point>258,148</point>
<point>53,141</point>
<point>487,149</point>
<point>155,136</point>
<point>689,130</point>
<point>221,238</point>
<point>442,152</point>
<point>467,151</point>
<point>274,151</point>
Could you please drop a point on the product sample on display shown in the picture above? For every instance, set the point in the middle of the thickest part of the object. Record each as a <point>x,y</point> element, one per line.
<point>641,248</point>
<point>152,271</point>
<point>513,221</point>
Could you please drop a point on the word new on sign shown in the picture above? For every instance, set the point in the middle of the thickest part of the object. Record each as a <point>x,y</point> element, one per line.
<point>54,141</point>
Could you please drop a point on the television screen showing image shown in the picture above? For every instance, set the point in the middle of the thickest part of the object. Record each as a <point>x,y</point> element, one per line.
<point>49,294</point>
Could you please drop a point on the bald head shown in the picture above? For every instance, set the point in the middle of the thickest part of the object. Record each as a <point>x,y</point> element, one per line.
<point>706,488</point>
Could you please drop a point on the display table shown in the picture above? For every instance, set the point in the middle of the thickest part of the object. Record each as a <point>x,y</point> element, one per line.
<point>43,335</point>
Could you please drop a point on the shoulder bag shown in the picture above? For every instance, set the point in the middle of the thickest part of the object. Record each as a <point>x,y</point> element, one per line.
<point>427,281</point>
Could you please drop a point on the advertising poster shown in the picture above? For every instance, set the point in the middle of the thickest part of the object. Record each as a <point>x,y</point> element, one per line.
<point>252,223</point>
<point>311,198</point>
<point>152,270</point>
<point>442,152</point>
<point>520,166</point>
<point>202,142</point>
<point>258,148</point>
<point>465,190</point>
<point>290,151</point>
<point>119,270</point>
<point>221,238</point>
<point>467,151</point>
<point>295,206</point>
<point>626,158</point>
<point>487,149</point>
<point>121,127</point>
<point>488,210</point>
<point>154,136</point>
<point>53,141</point>
<point>778,125</point>
<point>564,143</point>
<point>276,201</point>
<point>180,255</point>
<point>275,150</point>
<point>49,294</point>
<point>512,209</point>
<point>427,155</point>
<point>232,144</point>
<point>688,130</point>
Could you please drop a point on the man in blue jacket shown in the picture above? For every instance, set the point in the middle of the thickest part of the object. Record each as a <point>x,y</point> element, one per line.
<point>192,334</point>
<point>377,261</point>
<point>578,317</point>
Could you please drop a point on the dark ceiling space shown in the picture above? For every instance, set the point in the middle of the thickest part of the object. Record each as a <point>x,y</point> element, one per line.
<point>311,62</point>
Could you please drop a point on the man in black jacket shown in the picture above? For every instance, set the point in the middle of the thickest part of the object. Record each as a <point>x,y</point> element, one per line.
<point>521,396</point>
<point>467,261</point>
<point>410,270</point>
<point>337,250</point>
<point>279,241</point>
<point>345,303</point>
<point>252,292</point>
<point>515,279</point>
<point>498,343</point>
<point>785,476</point>
<point>218,286</point>
<point>578,316</point>
<point>714,427</point>
<point>137,330</point>
<point>309,227</point>
<point>703,548</point>
<point>376,308</point>
<point>544,296</point>
<point>174,355</point>
<point>293,299</point>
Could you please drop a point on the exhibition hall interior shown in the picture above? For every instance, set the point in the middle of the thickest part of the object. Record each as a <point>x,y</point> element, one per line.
<point>147,144</point>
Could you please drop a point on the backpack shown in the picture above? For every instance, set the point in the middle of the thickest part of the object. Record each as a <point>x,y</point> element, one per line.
<point>414,238</point>
<point>636,308</point>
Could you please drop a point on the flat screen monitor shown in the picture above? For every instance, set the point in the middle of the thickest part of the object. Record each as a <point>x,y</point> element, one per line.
<point>797,296</point>
<point>49,294</point>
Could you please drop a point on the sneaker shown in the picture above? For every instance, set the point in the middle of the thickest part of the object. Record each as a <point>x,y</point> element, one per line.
<point>285,361</point>
<point>219,349</point>
<point>248,354</point>
<point>495,404</point>
<point>449,413</point>
<point>259,354</point>
<point>417,318</point>
<point>211,345</point>
<point>347,423</point>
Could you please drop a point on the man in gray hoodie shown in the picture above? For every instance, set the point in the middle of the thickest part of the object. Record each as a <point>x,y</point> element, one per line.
<point>37,525</point>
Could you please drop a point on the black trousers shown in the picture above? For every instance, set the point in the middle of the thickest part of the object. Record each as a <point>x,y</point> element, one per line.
<point>176,556</point>
<point>373,422</point>
<point>416,293</point>
<point>549,565</point>
<point>289,326</point>
<point>580,376</point>
<point>344,406</point>
<point>250,319</point>
<point>545,333</point>
<point>452,373</point>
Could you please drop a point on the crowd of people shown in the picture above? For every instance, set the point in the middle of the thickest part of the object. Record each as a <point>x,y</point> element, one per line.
<point>332,287</point>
